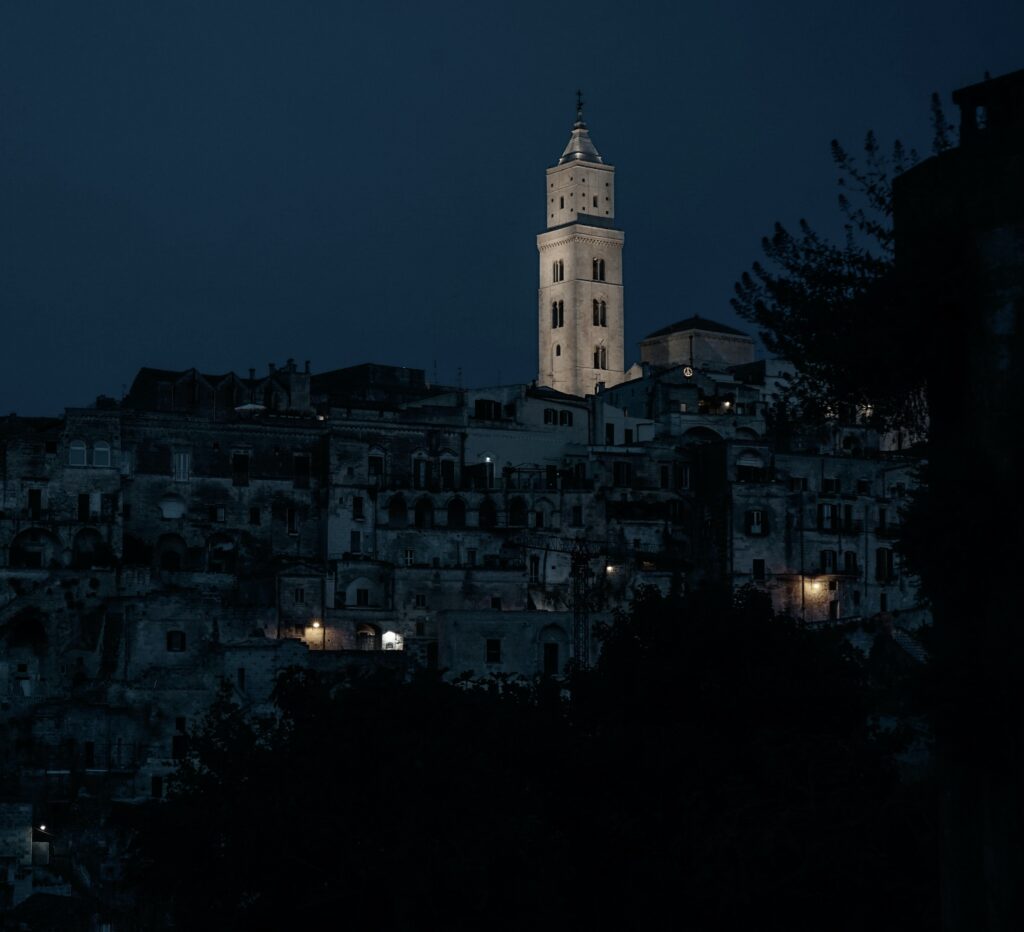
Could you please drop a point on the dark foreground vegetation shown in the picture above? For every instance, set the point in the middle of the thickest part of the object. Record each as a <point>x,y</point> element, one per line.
<point>719,767</point>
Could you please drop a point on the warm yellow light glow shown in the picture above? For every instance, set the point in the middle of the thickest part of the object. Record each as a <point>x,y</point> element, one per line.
<point>728,404</point>
<point>609,568</point>
<point>316,624</point>
<point>42,828</point>
<point>815,587</point>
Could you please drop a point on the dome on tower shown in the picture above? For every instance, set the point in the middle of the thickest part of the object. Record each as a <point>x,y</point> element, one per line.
<point>580,147</point>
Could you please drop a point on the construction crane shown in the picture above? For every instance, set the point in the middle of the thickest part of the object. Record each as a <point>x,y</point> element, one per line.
<point>581,553</point>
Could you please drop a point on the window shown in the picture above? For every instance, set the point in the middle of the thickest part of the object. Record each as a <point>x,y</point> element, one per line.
<point>101,453</point>
<point>240,468</point>
<point>828,561</point>
<point>755,523</point>
<point>299,595</point>
<point>565,418</point>
<point>410,557</point>
<point>420,600</point>
<point>254,516</point>
<point>600,358</point>
<point>471,557</point>
<point>884,566</point>
<point>863,487</point>
<point>534,568</point>
<point>421,473</point>
<point>300,470</point>
<point>683,476</point>
<point>456,513</point>
<point>599,270</point>
<point>292,518</point>
<point>826,517</point>
<point>492,653</point>
<point>357,507</point>
<point>217,514</point>
<point>558,349</point>
<point>550,416</point>
<point>355,542</point>
<point>850,562</point>
<point>758,570</point>
<point>447,474</point>
<point>424,513</point>
<point>577,516</point>
<point>551,664</point>
<point>182,466</point>
<point>627,437</point>
<point>76,453</point>
<point>538,518</point>
<point>830,485</point>
<point>622,474</point>
<point>561,202</point>
<point>35,503</point>
<point>595,204</point>
<point>176,641</point>
<point>797,483</point>
<point>488,514</point>
<point>600,314</point>
<point>664,476</point>
<point>375,466</point>
<point>362,598</point>
<point>609,434</point>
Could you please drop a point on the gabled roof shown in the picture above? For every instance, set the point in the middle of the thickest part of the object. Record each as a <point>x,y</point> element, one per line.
<point>697,323</point>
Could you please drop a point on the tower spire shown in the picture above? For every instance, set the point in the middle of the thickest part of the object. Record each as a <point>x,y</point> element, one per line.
<point>579,108</point>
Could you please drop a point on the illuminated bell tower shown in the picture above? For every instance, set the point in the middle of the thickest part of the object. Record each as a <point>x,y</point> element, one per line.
<point>580,309</point>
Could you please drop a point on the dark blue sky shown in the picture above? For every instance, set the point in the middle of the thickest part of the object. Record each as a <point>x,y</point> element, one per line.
<point>226,184</point>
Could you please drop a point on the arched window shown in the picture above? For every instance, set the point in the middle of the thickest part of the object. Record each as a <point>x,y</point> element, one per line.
<point>604,314</point>
<point>561,313</point>
<point>561,270</point>
<point>398,514</point>
<point>554,271</point>
<point>597,313</point>
<point>599,270</point>
<point>534,567</point>
<point>558,349</point>
<point>424,513</point>
<point>488,513</point>
<point>76,453</point>
<point>600,358</point>
<point>517,512</point>
<point>456,513</point>
<point>101,453</point>
<point>554,314</point>
<point>549,416</point>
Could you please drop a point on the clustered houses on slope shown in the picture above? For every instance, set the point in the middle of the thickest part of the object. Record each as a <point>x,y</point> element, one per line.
<point>211,529</point>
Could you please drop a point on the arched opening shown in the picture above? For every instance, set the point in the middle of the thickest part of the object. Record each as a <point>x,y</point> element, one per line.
<point>424,513</point>
<point>392,640</point>
<point>222,554</point>
<point>367,637</point>
<point>488,513</point>
<point>558,349</point>
<point>361,593</point>
<point>553,650</point>
<point>701,435</point>
<point>90,549</point>
<point>35,549</point>
<point>171,552</point>
<point>398,513</point>
<point>456,513</point>
<point>517,512</point>
<point>172,507</point>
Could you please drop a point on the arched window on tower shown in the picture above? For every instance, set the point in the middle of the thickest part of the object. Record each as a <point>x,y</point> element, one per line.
<point>561,271</point>
<point>554,314</point>
<point>604,314</point>
<point>597,313</point>
<point>600,358</point>
<point>561,313</point>
<point>599,270</point>
<point>554,272</point>
<point>558,349</point>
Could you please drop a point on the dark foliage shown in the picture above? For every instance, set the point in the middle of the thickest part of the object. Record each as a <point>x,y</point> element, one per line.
<point>717,768</point>
<point>839,312</point>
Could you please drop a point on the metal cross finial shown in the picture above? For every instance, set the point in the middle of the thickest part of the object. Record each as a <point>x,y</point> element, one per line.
<point>579,106</point>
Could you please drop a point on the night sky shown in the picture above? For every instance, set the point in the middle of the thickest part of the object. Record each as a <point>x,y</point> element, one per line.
<point>223,185</point>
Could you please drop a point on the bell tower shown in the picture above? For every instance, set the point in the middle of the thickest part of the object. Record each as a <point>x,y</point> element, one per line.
<point>580,309</point>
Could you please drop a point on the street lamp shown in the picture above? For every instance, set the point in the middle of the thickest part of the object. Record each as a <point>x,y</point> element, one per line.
<point>323,628</point>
